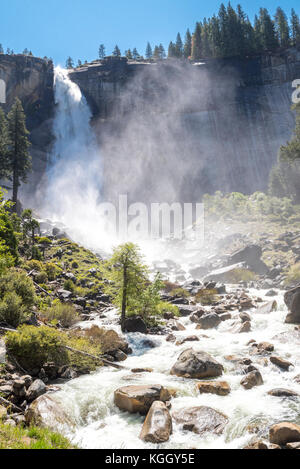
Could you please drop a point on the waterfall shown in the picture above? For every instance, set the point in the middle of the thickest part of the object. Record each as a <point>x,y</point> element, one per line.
<point>75,170</point>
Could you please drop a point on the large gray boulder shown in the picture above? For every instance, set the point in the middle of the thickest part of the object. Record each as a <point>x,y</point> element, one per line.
<point>208,321</point>
<point>224,275</point>
<point>292,301</point>
<point>201,420</point>
<point>157,427</point>
<point>196,365</point>
<point>46,412</point>
<point>35,390</point>
<point>135,324</point>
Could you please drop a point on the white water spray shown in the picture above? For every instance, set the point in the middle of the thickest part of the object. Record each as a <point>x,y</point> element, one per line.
<point>75,169</point>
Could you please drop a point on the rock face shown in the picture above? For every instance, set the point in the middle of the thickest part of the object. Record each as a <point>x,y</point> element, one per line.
<point>157,427</point>
<point>283,433</point>
<point>201,420</point>
<point>292,300</point>
<point>47,413</point>
<point>257,91</point>
<point>31,79</point>
<point>225,274</point>
<point>251,255</point>
<point>196,365</point>
<point>138,399</point>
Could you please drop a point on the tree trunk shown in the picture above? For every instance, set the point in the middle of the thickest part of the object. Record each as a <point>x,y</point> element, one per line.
<point>124,299</point>
<point>15,190</point>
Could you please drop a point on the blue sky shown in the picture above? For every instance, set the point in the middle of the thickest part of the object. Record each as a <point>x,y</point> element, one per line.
<point>59,28</point>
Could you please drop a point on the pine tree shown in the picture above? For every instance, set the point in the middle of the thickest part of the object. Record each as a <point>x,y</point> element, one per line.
<point>268,33</point>
<point>156,53</point>
<point>116,52</point>
<point>4,144</point>
<point>282,28</point>
<point>197,43</point>
<point>69,63</point>
<point>295,28</point>
<point>135,54</point>
<point>162,52</point>
<point>148,53</point>
<point>171,50</point>
<point>1,49</point>
<point>19,159</point>
<point>101,52</point>
<point>178,46</point>
<point>128,54</point>
<point>79,63</point>
<point>187,49</point>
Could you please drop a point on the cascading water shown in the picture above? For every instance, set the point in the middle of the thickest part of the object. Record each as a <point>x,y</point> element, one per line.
<point>74,170</point>
<point>99,423</point>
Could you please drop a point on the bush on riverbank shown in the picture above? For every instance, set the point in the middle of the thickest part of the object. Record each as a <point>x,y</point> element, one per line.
<point>293,275</point>
<point>62,313</point>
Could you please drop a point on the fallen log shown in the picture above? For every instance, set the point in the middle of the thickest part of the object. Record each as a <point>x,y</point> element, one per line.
<point>100,359</point>
<point>10,405</point>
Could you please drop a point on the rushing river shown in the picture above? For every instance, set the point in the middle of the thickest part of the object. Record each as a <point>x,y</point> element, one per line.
<point>88,400</point>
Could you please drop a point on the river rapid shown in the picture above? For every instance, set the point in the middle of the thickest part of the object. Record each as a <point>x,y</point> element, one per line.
<point>98,423</point>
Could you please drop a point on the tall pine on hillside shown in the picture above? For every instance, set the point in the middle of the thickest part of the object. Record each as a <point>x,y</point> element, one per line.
<point>19,159</point>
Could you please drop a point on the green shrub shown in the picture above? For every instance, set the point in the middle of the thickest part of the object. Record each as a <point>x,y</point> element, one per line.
<point>164,307</point>
<point>31,438</point>
<point>293,275</point>
<point>207,297</point>
<point>63,313</point>
<point>12,311</point>
<point>69,285</point>
<point>240,275</point>
<point>17,281</point>
<point>34,265</point>
<point>36,253</point>
<point>34,346</point>
<point>179,292</point>
<point>52,271</point>
<point>41,277</point>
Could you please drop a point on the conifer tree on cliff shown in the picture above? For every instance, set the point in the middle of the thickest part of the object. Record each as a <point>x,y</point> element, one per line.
<point>4,141</point>
<point>19,159</point>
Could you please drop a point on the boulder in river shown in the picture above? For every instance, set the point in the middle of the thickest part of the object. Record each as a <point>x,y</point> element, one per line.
<point>252,379</point>
<point>281,363</point>
<point>284,432</point>
<point>35,390</point>
<point>47,413</point>
<point>139,398</point>
<point>208,321</point>
<point>135,324</point>
<point>225,274</point>
<point>281,392</point>
<point>201,420</point>
<point>267,308</point>
<point>196,365</point>
<point>292,300</point>
<point>251,256</point>
<point>220,388</point>
<point>157,427</point>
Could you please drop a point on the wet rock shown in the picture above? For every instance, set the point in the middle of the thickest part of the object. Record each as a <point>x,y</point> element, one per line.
<point>18,388</point>
<point>69,373</point>
<point>135,324</point>
<point>295,445</point>
<point>281,392</point>
<point>220,388</point>
<point>284,432</point>
<point>201,420</point>
<point>157,427</point>
<point>292,300</point>
<point>197,315</point>
<point>245,327</point>
<point>196,365</point>
<point>252,379</point>
<point>271,293</point>
<point>267,308</point>
<point>171,338</point>
<point>45,412</point>
<point>142,370</point>
<point>245,317</point>
<point>265,347</point>
<point>225,316</point>
<point>208,321</point>
<point>176,325</point>
<point>191,338</point>
<point>281,363</point>
<point>36,389</point>
<point>139,398</point>
<point>297,379</point>
<point>186,310</point>
<point>257,444</point>
<point>119,356</point>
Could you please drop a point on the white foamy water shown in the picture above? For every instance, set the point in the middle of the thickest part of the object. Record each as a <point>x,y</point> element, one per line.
<point>100,424</point>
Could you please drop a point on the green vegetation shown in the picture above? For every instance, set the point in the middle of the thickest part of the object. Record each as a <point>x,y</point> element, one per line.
<point>62,313</point>
<point>285,176</point>
<point>31,438</point>
<point>207,297</point>
<point>258,206</point>
<point>293,275</point>
<point>17,296</point>
<point>240,275</point>
<point>33,346</point>
<point>129,285</point>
